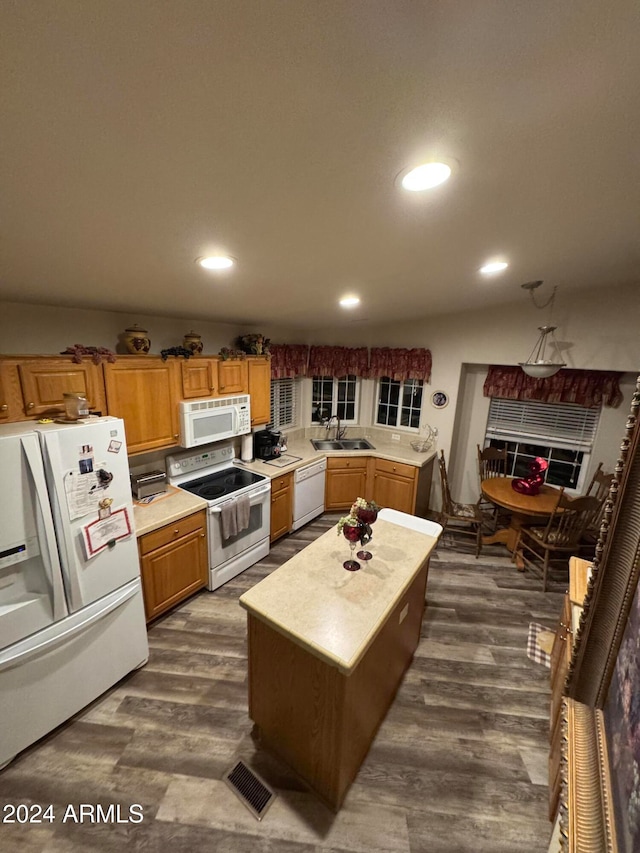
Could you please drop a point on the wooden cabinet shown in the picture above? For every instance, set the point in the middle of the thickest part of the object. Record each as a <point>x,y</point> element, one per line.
<point>393,484</point>
<point>199,377</point>
<point>173,562</point>
<point>34,386</point>
<point>260,389</point>
<point>281,505</point>
<point>11,404</point>
<point>346,480</point>
<point>400,486</point>
<point>144,391</point>
<point>324,722</point>
<point>233,377</point>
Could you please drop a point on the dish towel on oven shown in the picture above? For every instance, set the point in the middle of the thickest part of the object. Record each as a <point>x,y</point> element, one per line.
<point>243,512</point>
<point>229,519</point>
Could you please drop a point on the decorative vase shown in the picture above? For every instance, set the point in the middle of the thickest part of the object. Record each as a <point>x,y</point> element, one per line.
<point>367,518</point>
<point>137,340</point>
<point>193,341</point>
<point>351,533</point>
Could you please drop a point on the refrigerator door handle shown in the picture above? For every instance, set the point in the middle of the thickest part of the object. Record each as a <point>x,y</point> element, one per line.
<point>54,460</point>
<point>27,649</point>
<point>47,537</point>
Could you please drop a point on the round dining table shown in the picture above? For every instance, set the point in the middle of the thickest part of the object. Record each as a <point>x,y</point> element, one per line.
<point>523,508</point>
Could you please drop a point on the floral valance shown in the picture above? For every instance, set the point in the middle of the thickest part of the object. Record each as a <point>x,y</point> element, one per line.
<point>588,388</point>
<point>289,360</point>
<point>399,364</point>
<point>338,361</point>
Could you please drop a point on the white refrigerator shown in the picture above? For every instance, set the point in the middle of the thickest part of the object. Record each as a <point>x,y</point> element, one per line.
<point>72,618</point>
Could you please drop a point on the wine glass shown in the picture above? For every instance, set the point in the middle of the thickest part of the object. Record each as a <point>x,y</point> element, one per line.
<point>367,517</point>
<point>351,533</point>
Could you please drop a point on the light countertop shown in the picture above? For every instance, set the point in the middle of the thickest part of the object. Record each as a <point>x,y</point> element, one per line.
<point>333,613</point>
<point>177,503</point>
<point>301,447</point>
<point>173,505</point>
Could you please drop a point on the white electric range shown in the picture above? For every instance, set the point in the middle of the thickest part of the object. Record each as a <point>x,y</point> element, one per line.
<point>212,474</point>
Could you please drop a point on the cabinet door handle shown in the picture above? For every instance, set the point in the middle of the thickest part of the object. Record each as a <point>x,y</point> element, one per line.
<point>4,408</point>
<point>176,531</point>
<point>176,435</point>
<point>30,405</point>
<point>202,535</point>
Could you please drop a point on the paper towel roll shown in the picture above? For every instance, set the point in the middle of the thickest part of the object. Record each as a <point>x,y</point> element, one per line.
<point>246,451</point>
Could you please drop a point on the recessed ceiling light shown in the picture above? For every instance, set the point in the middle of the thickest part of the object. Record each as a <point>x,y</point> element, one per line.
<point>349,301</point>
<point>426,176</point>
<point>493,267</point>
<point>216,262</point>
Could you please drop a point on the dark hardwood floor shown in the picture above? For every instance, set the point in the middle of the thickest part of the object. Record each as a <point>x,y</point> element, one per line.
<point>459,764</point>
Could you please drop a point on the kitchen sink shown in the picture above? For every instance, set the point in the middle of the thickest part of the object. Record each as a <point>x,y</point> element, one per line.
<point>342,444</point>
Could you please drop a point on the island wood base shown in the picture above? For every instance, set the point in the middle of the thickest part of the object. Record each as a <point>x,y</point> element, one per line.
<point>320,721</point>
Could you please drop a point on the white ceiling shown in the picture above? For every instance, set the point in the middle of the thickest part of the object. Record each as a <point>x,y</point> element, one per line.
<point>140,135</point>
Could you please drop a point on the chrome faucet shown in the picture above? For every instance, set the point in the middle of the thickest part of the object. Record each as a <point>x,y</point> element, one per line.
<point>339,432</point>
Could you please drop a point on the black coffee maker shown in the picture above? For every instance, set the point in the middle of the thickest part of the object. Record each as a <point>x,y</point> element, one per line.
<point>266,444</point>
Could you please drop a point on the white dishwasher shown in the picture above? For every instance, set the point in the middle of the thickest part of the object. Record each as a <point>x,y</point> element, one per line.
<point>308,492</point>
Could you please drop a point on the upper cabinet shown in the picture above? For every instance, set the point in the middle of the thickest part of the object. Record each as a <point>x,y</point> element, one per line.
<point>260,389</point>
<point>11,403</point>
<point>144,391</point>
<point>199,377</point>
<point>213,377</point>
<point>232,377</point>
<point>34,387</point>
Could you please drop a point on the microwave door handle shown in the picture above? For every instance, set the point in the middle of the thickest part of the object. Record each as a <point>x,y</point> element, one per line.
<point>254,499</point>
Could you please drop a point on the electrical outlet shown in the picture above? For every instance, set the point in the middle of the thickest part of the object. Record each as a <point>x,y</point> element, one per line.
<point>395,436</point>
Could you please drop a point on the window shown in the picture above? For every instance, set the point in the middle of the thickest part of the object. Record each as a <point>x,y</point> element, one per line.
<point>561,433</point>
<point>284,403</point>
<point>399,403</point>
<point>339,395</point>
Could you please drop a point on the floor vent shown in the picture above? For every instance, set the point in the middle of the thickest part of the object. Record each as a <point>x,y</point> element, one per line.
<point>250,789</point>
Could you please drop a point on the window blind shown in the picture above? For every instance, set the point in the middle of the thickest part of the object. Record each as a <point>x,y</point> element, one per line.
<point>284,403</point>
<point>561,423</point>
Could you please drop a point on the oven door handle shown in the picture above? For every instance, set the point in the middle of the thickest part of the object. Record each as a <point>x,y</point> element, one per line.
<point>254,498</point>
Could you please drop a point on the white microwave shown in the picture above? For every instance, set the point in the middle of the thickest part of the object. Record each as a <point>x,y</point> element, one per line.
<point>204,421</point>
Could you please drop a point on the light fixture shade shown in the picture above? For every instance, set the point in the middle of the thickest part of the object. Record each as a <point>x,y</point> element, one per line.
<point>540,369</point>
<point>537,365</point>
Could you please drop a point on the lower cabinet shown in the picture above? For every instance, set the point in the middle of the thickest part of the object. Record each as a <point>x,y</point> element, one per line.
<point>393,484</point>
<point>396,485</point>
<point>281,506</point>
<point>346,480</point>
<point>173,562</point>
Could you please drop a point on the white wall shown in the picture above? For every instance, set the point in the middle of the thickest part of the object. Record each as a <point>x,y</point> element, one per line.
<point>45,329</point>
<point>597,329</point>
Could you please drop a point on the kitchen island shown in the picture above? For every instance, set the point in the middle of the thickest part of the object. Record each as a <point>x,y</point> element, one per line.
<point>328,649</point>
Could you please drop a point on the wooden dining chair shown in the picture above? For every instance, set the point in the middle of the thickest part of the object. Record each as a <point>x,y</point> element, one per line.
<point>492,462</point>
<point>455,517</point>
<point>539,548</point>
<point>599,488</point>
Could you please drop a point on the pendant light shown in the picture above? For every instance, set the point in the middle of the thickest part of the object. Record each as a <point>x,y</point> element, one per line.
<point>545,359</point>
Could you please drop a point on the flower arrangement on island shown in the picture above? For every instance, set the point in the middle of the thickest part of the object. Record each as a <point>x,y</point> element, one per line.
<point>362,512</point>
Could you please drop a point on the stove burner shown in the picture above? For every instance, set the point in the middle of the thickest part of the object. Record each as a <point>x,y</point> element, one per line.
<point>211,491</point>
<point>217,485</point>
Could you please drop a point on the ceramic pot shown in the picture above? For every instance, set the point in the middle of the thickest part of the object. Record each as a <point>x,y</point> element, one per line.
<point>137,340</point>
<point>193,342</point>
